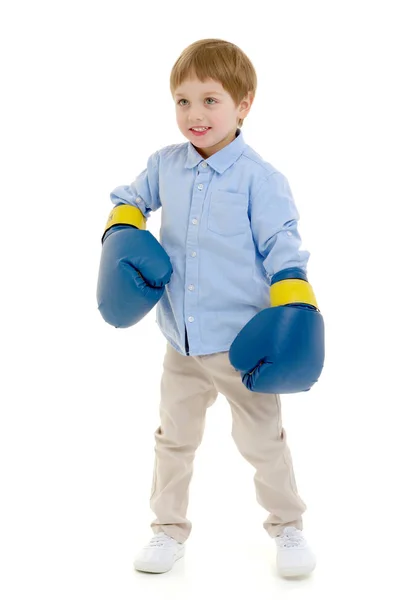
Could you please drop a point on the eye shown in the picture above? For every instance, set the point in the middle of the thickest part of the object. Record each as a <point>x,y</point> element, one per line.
<point>213,101</point>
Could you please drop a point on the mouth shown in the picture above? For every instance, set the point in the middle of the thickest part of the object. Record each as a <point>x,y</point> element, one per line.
<point>199,130</point>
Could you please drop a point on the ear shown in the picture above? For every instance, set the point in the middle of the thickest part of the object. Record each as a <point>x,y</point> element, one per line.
<point>245,105</point>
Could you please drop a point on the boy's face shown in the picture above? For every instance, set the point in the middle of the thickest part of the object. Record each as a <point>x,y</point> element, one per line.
<point>208,105</point>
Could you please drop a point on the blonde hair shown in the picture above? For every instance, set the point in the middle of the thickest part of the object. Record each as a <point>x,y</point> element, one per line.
<point>218,60</point>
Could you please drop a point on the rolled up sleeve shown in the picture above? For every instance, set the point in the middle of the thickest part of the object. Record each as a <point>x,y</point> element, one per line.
<point>274,222</point>
<point>144,191</point>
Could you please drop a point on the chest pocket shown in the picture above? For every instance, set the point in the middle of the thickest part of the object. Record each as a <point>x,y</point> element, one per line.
<point>227,213</point>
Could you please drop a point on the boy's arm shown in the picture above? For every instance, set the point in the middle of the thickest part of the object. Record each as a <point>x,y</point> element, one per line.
<point>274,219</point>
<point>280,350</point>
<point>144,191</point>
<point>134,267</point>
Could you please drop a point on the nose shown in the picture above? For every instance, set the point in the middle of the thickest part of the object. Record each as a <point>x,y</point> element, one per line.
<point>195,115</point>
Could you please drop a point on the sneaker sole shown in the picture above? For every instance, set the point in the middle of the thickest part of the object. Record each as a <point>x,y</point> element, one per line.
<point>300,572</point>
<point>154,568</point>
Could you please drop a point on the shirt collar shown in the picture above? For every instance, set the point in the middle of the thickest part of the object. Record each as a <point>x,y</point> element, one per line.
<point>221,160</point>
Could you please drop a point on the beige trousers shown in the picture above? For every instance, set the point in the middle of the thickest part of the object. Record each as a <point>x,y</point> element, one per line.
<point>189,385</point>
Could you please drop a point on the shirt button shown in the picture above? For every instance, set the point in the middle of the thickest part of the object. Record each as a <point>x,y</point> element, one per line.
<point>194,221</point>
<point>191,319</point>
<point>204,165</point>
<point>138,199</point>
<point>191,287</point>
<point>289,233</point>
<point>194,254</point>
<point>200,186</point>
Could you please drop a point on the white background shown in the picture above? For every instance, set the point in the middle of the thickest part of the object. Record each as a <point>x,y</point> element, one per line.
<point>85,100</point>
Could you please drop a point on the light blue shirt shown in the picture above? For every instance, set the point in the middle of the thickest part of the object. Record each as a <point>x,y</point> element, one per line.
<point>228,224</point>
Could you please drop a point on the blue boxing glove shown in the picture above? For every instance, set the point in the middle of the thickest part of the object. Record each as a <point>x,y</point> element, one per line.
<point>134,268</point>
<point>281,349</point>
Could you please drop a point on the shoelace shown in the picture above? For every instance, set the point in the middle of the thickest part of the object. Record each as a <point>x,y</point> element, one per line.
<point>292,538</point>
<point>161,539</point>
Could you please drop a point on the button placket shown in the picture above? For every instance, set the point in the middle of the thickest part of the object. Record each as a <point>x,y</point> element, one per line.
<point>202,178</point>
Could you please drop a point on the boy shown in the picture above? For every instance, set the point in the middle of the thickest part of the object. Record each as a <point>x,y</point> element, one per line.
<point>229,225</point>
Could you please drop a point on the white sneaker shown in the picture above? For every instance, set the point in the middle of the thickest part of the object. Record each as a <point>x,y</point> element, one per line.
<point>294,556</point>
<point>159,555</point>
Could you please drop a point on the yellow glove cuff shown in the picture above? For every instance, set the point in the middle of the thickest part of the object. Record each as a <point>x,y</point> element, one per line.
<point>291,291</point>
<point>126,214</point>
